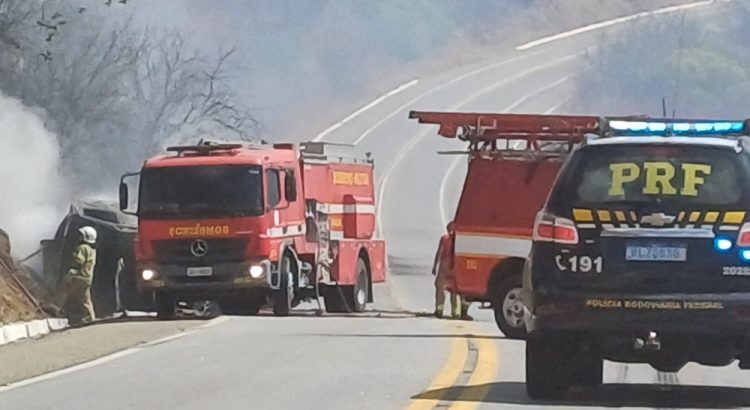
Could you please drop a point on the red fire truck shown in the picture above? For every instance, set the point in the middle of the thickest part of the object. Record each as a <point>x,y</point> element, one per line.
<point>243,224</point>
<point>513,161</point>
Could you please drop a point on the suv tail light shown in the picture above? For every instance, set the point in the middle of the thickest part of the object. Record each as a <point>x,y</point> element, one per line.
<point>550,228</point>
<point>743,239</point>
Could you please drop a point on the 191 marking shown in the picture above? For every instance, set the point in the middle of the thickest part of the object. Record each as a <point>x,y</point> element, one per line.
<point>582,264</point>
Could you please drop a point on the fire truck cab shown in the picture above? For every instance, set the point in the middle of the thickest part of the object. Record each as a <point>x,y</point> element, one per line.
<point>243,225</point>
<point>513,162</point>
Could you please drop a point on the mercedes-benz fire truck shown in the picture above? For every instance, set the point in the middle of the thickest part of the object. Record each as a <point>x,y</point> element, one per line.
<point>242,225</point>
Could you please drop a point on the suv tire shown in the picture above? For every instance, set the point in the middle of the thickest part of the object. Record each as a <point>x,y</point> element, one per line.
<point>506,301</point>
<point>546,368</point>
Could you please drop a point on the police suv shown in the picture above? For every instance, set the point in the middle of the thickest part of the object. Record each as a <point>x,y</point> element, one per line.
<point>642,254</point>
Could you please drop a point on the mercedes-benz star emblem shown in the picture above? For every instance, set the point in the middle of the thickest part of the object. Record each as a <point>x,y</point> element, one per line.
<point>199,247</point>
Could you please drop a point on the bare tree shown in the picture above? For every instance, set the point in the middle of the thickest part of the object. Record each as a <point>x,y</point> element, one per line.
<point>114,93</point>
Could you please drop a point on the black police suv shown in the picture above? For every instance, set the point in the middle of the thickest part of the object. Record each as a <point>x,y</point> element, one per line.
<point>640,255</point>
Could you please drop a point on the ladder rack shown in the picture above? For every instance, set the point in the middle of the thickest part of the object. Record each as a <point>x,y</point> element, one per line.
<point>513,136</point>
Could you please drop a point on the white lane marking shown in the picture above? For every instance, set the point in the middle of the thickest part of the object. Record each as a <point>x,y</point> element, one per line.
<point>372,104</point>
<point>527,46</point>
<point>444,182</point>
<point>114,356</point>
<point>61,372</point>
<point>609,23</point>
<point>558,105</point>
<point>164,339</point>
<point>436,89</point>
<point>215,321</point>
<point>414,141</point>
<point>492,246</point>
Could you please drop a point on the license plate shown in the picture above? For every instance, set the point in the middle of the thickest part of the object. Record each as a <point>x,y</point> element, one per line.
<point>656,253</point>
<point>201,271</point>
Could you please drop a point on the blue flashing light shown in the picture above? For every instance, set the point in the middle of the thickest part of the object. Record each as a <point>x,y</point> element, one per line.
<point>682,128</point>
<point>658,127</point>
<point>723,244</point>
<point>745,255</point>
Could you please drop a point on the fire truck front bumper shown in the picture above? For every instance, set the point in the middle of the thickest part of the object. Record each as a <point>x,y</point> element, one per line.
<point>215,278</point>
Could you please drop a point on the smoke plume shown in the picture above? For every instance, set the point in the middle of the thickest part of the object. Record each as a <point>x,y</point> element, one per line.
<point>31,187</point>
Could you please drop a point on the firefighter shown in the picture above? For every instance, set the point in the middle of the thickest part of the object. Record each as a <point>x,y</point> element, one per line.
<point>441,268</point>
<point>74,294</point>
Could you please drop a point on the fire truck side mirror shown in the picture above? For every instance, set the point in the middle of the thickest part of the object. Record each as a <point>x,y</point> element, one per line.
<point>124,194</point>
<point>290,186</point>
<point>124,200</point>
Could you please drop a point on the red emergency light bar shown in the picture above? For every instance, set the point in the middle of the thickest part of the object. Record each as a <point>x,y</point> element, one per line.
<point>488,127</point>
<point>204,149</point>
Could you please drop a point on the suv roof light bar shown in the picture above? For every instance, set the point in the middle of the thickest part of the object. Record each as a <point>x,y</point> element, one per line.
<point>675,127</point>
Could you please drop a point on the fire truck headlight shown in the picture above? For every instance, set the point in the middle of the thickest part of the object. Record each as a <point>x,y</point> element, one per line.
<point>256,271</point>
<point>148,274</point>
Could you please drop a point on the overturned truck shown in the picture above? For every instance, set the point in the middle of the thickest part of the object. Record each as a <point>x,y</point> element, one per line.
<point>114,288</point>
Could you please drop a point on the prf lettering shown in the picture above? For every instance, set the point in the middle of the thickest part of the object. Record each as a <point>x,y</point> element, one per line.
<point>658,178</point>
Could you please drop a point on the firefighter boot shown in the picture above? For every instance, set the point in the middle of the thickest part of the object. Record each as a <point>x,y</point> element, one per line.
<point>455,306</point>
<point>465,311</point>
<point>439,311</point>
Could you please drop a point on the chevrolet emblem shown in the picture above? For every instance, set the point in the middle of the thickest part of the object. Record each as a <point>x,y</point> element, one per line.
<point>659,219</point>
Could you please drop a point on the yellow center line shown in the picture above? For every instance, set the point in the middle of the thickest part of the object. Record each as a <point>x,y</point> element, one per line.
<point>446,377</point>
<point>478,386</point>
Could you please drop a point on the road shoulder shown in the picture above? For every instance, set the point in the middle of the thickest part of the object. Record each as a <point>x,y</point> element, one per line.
<point>31,358</point>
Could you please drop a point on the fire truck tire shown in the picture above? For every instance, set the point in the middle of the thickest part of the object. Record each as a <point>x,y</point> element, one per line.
<point>348,299</point>
<point>508,308</point>
<point>333,299</point>
<point>282,297</point>
<point>546,369</point>
<point>165,304</point>
<point>358,297</point>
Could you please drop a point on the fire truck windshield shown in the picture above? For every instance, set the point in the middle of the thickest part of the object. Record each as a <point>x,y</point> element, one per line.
<point>201,192</point>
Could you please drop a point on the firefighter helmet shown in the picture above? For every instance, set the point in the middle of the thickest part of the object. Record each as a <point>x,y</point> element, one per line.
<point>88,234</point>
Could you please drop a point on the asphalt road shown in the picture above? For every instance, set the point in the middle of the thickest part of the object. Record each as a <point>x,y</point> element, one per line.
<point>390,357</point>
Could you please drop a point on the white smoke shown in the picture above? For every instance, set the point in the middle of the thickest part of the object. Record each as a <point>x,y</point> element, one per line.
<point>31,187</point>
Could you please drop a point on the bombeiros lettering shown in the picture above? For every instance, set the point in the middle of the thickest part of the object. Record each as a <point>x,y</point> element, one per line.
<point>199,230</point>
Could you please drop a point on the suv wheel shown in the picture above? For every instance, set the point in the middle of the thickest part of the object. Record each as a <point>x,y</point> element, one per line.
<point>588,369</point>
<point>508,308</point>
<point>546,368</point>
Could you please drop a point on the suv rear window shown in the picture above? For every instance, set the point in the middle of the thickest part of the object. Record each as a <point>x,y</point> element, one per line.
<point>679,175</point>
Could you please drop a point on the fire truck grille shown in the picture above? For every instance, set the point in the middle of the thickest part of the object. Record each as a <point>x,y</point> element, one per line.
<point>216,250</point>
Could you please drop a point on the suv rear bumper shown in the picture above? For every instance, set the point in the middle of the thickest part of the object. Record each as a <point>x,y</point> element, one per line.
<point>704,314</point>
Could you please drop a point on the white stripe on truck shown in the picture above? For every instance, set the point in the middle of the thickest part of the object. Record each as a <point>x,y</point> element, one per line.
<point>488,245</point>
<point>346,209</point>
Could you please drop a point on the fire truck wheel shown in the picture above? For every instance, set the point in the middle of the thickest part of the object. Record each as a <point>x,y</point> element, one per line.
<point>509,308</point>
<point>282,296</point>
<point>165,305</point>
<point>359,292</point>
<point>334,302</point>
